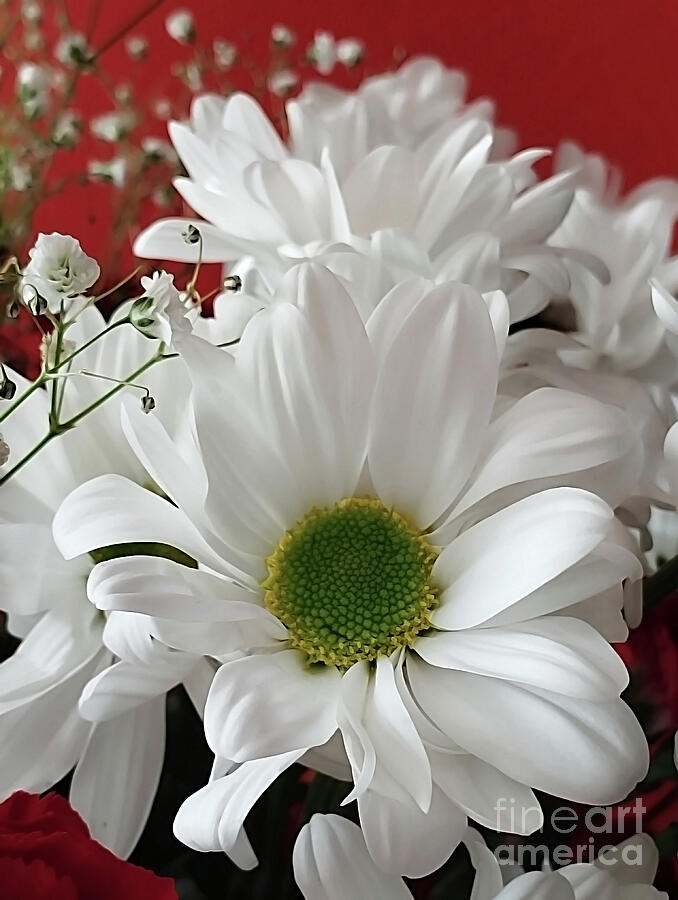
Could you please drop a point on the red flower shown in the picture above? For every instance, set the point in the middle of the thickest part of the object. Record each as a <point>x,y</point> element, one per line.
<point>46,852</point>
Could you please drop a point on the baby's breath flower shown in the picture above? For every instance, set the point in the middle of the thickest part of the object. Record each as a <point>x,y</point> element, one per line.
<point>59,270</point>
<point>113,126</point>
<point>283,82</point>
<point>180,25</point>
<point>282,36</point>
<point>157,150</point>
<point>323,52</point>
<point>350,52</point>
<point>137,47</point>
<point>225,53</point>
<point>67,129</point>
<point>113,171</point>
<point>73,50</point>
<point>32,86</point>
<point>31,11</point>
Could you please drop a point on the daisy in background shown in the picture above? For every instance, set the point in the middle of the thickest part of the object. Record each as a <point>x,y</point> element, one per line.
<point>402,158</point>
<point>331,862</point>
<point>65,641</point>
<point>612,345</point>
<point>398,587</point>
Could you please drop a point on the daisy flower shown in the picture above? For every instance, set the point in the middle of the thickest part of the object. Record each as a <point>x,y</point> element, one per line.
<point>44,732</point>
<point>466,211</point>
<point>400,577</point>
<point>331,862</point>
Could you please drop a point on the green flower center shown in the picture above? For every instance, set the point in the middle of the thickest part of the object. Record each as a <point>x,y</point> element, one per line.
<point>351,582</point>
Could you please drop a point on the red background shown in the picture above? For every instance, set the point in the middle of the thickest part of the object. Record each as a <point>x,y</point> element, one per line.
<point>602,72</point>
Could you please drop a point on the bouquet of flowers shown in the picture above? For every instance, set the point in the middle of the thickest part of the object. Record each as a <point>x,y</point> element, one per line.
<point>333,570</point>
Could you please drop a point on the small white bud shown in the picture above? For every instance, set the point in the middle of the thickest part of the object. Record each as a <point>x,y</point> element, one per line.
<point>137,47</point>
<point>233,283</point>
<point>350,52</point>
<point>31,12</point>
<point>67,129</point>
<point>114,171</point>
<point>180,25</point>
<point>157,150</point>
<point>113,126</point>
<point>4,451</point>
<point>73,50</point>
<point>323,52</point>
<point>162,108</point>
<point>32,86</point>
<point>21,176</point>
<point>225,53</point>
<point>147,403</point>
<point>7,389</point>
<point>283,82</point>
<point>191,235</point>
<point>282,36</point>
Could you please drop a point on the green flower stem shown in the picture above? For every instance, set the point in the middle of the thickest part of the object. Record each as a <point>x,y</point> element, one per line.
<point>67,359</point>
<point>31,389</point>
<point>57,428</point>
<point>56,387</point>
<point>44,377</point>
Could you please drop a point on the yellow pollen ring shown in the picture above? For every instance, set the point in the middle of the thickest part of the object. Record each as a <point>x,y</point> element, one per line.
<point>352,582</point>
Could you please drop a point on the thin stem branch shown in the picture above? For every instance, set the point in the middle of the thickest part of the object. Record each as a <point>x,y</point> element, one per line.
<point>31,389</point>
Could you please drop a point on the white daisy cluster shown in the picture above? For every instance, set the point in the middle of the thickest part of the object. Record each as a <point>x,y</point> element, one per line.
<point>370,526</point>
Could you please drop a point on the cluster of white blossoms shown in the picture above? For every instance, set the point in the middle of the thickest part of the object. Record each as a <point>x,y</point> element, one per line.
<point>366,523</point>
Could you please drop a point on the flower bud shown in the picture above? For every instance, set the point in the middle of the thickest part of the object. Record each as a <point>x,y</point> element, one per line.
<point>4,451</point>
<point>7,389</point>
<point>191,235</point>
<point>180,25</point>
<point>147,403</point>
<point>233,283</point>
<point>282,36</point>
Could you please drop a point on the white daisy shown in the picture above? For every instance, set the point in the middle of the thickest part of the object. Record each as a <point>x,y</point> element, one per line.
<point>616,328</point>
<point>388,597</point>
<point>43,734</point>
<point>464,213</point>
<point>331,862</point>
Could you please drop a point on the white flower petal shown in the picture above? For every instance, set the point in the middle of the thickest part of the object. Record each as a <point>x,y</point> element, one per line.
<point>160,587</point>
<point>587,752</point>
<point>124,686</point>
<point>41,743</point>
<point>350,712</point>
<point>397,744</point>
<point>539,886</point>
<point>262,705</point>
<point>164,239</point>
<point>402,839</point>
<point>485,794</point>
<point>557,653</point>
<point>665,305</point>
<point>55,649</point>
<point>442,370</point>
<point>502,559</point>
<point>553,433</point>
<point>212,818</point>
<point>115,781</point>
<point>112,510</point>
<point>381,191</point>
<point>331,862</point>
